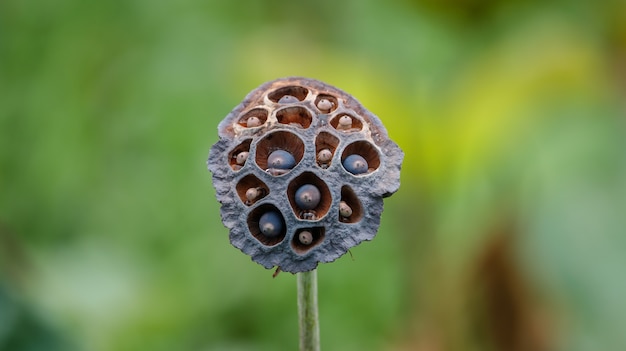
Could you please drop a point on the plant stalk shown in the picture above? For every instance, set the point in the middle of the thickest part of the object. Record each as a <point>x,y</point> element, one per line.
<point>307,311</point>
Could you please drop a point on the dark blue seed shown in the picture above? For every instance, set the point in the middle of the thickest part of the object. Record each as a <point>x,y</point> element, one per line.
<point>355,164</point>
<point>308,197</point>
<point>271,224</point>
<point>288,99</point>
<point>281,159</point>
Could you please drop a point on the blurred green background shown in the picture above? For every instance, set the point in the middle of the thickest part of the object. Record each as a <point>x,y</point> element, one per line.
<point>508,232</point>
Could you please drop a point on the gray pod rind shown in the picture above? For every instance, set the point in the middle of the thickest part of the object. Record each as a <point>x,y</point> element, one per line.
<point>247,189</point>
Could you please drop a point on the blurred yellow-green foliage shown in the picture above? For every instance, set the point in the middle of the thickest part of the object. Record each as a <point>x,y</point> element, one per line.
<point>508,233</point>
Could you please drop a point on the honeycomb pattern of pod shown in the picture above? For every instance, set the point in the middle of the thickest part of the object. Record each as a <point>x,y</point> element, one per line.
<point>301,169</point>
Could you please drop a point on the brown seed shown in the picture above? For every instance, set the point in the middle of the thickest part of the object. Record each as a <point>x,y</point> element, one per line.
<point>324,155</point>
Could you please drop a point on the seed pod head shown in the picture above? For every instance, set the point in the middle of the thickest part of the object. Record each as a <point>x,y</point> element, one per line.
<point>284,200</point>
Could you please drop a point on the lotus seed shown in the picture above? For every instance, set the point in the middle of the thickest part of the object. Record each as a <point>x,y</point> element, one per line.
<point>344,209</point>
<point>324,155</point>
<point>253,122</point>
<point>305,237</point>
<point>345,122</point>
<point>355,164</point>
<point>308,215</point>
<point>242,157</point>
<point>254,193</point>
<point>288,99</point>
<point>324,105</point>
<point>308,197</point>
<point>281,159</point>
<point>271,224</point>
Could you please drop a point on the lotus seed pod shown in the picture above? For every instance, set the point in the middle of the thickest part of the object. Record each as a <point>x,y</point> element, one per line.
<point>242,157</point>
<point>281,159</point>
<point>290,206</point>
<point>344,209</point>
<point>355,164</point>
<point>324,105</point>
<point>324,155</point>
<point>305,237</point>
<point>288,99</point>
<point>271,224</point>
<point>308,197</point>
<point>253,122</point>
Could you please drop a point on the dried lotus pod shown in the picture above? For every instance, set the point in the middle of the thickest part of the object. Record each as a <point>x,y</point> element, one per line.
<point>301,169</point>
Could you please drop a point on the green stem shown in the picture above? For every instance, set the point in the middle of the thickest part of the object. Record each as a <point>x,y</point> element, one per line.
<point>307,311</point>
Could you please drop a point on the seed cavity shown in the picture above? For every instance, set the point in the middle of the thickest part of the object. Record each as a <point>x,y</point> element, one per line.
<point>326,103</point>
<point>355,164</point>
<point>306,239</point>
<point>309,196</point>
<point>350,208</point>
<point>345,123</point>
<point>325,146</point>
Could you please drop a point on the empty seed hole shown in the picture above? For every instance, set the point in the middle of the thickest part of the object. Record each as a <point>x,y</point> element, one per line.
<point>297,116</point>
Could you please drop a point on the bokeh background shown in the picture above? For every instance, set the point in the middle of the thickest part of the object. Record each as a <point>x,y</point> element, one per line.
<point>508,232</point>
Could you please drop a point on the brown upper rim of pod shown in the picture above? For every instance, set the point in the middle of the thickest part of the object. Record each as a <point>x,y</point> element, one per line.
<point>313,88</point>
